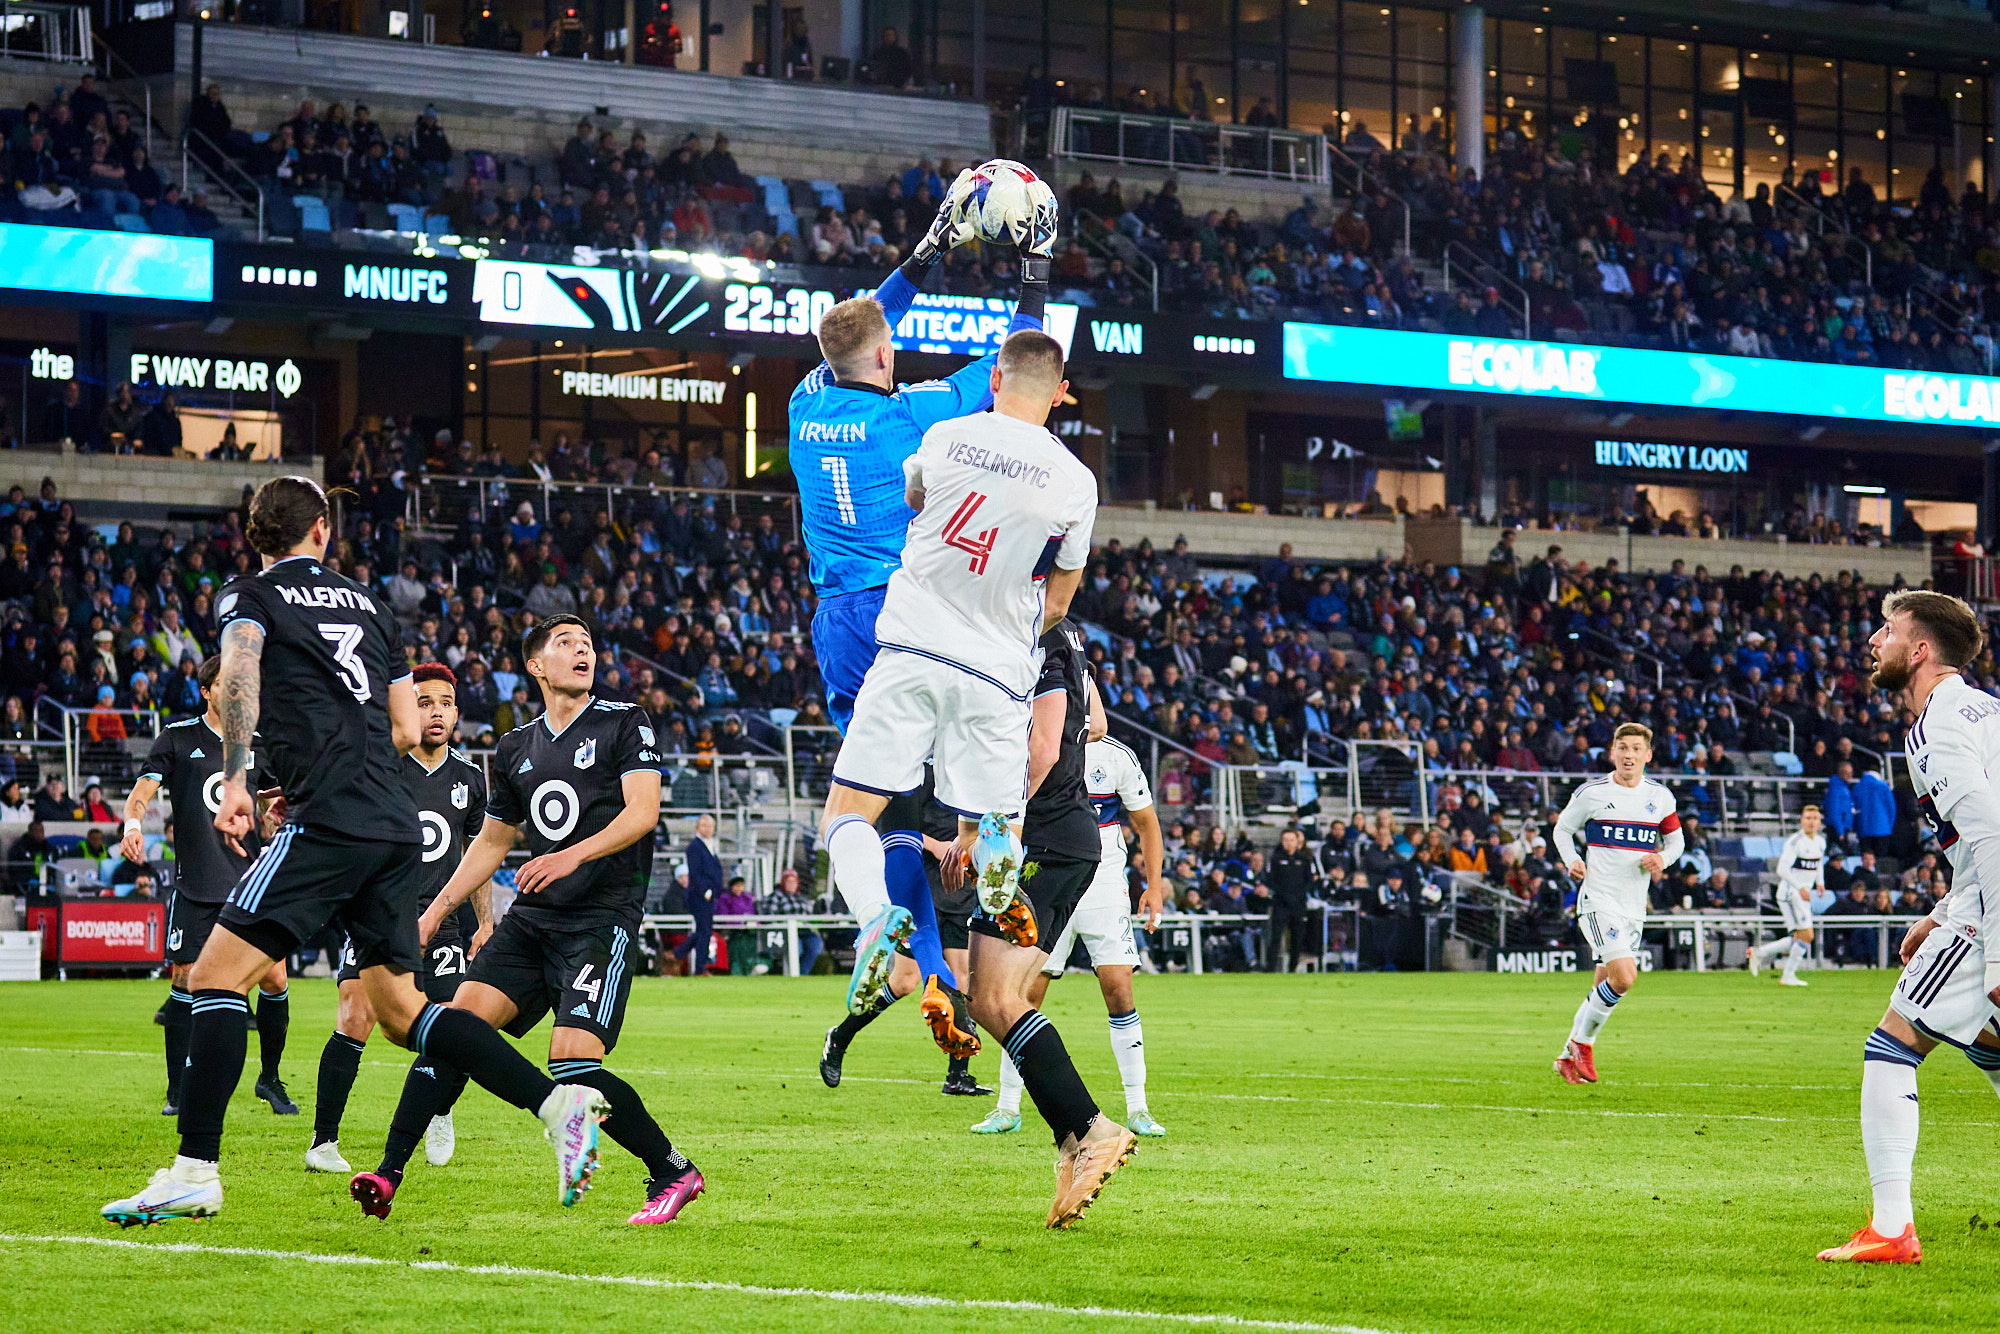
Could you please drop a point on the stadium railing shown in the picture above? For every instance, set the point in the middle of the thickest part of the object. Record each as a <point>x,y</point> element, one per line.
<point>447,501</point>
<point>114,761</point>
<point>1696,933</point>
<point>1188,145</point>
<point>1382,775</point>
<point>1179,932</point>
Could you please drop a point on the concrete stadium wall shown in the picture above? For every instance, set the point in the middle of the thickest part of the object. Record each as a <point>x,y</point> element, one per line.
<point>158,484</point>
<point>505,103</point>
<point>1216,534</point>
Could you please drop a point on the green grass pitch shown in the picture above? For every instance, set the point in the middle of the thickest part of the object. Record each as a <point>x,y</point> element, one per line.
<point>1386,1153</point>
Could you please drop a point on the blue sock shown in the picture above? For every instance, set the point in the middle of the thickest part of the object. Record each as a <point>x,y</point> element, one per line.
<point>903,864</point>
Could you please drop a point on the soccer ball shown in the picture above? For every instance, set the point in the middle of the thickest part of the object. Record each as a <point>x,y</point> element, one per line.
<point>994,204</point>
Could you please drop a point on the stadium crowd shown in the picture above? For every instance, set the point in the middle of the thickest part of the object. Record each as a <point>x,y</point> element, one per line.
<point>1479,683</point>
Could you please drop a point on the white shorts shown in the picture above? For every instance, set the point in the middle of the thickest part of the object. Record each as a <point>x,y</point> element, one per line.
<point>1797,911</point>
<point>1103,921</point>
<point>912,708</point>
<point>1612,936</point>
<point>1943,990</point>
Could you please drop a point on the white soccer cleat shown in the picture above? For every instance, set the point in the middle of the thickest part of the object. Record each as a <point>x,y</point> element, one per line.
<point>440,1140</point>
<point>569,1118</point>
<point>174,1192</point>
<point>1793,982</point>
<point>1756,962</point>
<point>996,862</point>
<point>326,1158</point>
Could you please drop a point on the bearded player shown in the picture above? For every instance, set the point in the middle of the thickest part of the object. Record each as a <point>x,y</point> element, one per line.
<point>1951,975</point>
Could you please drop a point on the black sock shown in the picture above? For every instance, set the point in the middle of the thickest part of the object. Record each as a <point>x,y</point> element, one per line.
<point>218,1038</point>
<point>962,1016</point>
<point>274,1018</point>
<point>178,1019</point>
<point>629,1125</point>
<point>854,1023</point>
<point>462,1039</point>
<point>429,1090</point>
<point>339,1063</point>
<point>1050,1076</point>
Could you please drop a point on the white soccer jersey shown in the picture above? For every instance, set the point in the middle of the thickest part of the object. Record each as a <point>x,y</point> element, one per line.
<point>1802,863</point>
<point>1620,825</point>
<point>1117,784</point>
<point>1004,503</point>
<point>1953,749</point>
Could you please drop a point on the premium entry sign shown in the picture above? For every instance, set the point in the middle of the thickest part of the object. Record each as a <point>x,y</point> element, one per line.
<point>1343,355</point>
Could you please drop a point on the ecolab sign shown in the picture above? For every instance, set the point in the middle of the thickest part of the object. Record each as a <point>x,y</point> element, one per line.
<point>1524,368</point>
<point>1941,398</point>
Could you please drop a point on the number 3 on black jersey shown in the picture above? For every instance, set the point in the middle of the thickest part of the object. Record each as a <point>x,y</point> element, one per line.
<point>345,640</point>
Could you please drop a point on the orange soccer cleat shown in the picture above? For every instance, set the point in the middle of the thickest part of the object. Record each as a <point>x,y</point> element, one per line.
<point>1575,1064</point>
<point>941,1014</point>
<point>1869,1247</point>
<point>1017,922</point>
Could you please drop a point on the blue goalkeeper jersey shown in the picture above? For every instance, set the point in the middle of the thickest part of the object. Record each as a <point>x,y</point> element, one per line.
<point>847,450</point>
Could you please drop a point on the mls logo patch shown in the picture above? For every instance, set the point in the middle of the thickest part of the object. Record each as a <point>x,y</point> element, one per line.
<point>1923,764</point>
<point>586,754</point>
<point>227,605</point>
<point>461,794</point>
<point>646,736</point>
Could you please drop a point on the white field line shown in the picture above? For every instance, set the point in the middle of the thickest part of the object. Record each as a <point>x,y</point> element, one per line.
<point>900,1299</point>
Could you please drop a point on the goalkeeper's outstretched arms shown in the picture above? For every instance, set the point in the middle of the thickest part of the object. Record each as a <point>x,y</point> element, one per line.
<point>948,229</point>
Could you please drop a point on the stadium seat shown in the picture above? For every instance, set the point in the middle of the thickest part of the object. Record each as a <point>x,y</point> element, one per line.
<point>829,195</point>
<point>407,217</point>
<point>313,213</point>
<point>130,222</point>
<point>436,225</point>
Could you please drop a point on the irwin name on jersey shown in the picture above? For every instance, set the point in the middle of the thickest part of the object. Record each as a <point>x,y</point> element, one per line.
<point>853,433</point>
<point>324,596</point>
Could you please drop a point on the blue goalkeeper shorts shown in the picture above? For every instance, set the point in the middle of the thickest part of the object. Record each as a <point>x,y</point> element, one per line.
<point>843,633</point>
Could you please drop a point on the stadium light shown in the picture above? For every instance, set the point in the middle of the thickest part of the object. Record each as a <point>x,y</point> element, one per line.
<point>749,435</point>
<point>1855,489</point>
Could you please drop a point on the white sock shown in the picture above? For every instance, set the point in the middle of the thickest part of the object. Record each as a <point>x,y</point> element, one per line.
<point>1010,1085</point>
<point>856,852</point>
<point>1768,952</point>
<point>1800,952</point>
<point>1590,1015</point>
<point>193,1170</point>
<point>1128,1046</point>
<point>1889,1135</point>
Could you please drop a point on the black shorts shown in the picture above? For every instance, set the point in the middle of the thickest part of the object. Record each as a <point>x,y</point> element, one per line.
<point>306,877</point>
<point>442,970</point>
<point>188,925</point>
<point>1053,891</point>
<point>583,975</point>
<point>953,911</point>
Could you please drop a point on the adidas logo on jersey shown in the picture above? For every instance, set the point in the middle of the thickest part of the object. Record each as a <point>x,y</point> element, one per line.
<point>581,1012</point>
<point>525,766</point>
<point>196,754</point>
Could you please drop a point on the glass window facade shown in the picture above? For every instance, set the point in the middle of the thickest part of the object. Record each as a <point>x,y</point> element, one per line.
<point>1751,115</point>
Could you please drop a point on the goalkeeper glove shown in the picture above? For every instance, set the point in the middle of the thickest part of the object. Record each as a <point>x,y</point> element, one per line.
<point>1039,246</point>
<point>950,228</point>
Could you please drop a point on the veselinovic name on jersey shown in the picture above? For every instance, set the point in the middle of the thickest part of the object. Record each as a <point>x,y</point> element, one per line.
<point>978,456</point>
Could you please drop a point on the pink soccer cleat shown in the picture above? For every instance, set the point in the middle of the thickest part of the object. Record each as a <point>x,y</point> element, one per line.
<point>372,1191</point>
<point>664,1201</point>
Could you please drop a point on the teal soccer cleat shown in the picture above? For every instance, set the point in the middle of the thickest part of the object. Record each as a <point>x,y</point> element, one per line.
<point>875,955</point>
<point>1142,1123</point>
<point>998,1122</point>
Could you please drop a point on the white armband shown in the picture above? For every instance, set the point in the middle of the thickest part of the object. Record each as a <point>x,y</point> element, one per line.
<point>133,826</point>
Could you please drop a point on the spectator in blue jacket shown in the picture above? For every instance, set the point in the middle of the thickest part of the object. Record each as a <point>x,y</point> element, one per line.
<point>704,886</point>
<point>1874,812</point>
<point>1840,802</point>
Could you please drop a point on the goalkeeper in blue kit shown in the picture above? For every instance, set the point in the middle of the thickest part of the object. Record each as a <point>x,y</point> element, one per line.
<point>852,427</point>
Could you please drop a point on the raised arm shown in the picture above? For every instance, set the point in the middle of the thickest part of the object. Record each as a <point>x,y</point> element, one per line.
<point>475,872</point>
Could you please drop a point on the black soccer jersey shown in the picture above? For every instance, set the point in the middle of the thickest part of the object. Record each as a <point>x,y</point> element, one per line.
<point>186,760</point>
<point>563,787</point>
<point>331,648</point>
<point>451,806</point>
<point>1060,817</point>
